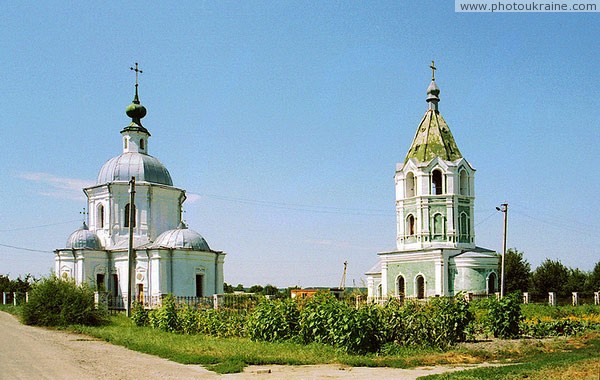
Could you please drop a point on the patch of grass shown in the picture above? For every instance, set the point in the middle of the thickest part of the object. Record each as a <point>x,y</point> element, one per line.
<point>575,358</point>
<point>11,309</point>
<point>230,355</point>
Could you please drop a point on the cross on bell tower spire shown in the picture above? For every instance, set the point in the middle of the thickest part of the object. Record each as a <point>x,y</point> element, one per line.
<point>137,70</point>
<point>433,68</point>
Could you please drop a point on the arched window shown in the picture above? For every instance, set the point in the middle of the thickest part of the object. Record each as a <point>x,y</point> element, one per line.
<point>420,287</point>
<point>464,183</point>
<point>142,144</point>
<point>491,283</point>
<point>439,225</point>
<point>410,185</point>
<point>126,224</point>
<point>125,143</point>
<point>410,225</point>
<point>400,286</point>
<point>437,182</point>
<point>100,216</point>
<point>463,227</point>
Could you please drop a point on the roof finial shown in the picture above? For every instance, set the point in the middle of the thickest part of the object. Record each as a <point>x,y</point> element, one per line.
<point>433,91</point>
<point>136,100</point>
<point>135,110</point>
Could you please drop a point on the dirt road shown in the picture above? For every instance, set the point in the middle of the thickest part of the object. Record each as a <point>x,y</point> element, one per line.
<point>35,353</point>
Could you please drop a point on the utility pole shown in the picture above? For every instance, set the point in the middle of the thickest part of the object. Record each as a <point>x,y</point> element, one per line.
<point>343,282</point>
<point>503,208</point>
<point>130,252</point>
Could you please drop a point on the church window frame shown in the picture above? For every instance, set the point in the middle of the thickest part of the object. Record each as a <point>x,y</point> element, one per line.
<point>438,222</point>
<point>491,286</point>
<point>126,215</point>
<point>410,225</point>
<point>410,185</point>
<point>464,228</point>
<point>125,143</point>
<point>437,182</point>
<point>463,180</point>
<point>400,286</point>
<point>142,144</point>
<point>100,216</point>
<point>420,285</point>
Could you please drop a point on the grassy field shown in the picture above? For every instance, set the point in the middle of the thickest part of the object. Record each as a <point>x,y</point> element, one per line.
<point>555,358</point>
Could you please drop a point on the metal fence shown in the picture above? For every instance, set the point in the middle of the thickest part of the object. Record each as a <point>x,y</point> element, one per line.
<point>232,302</point>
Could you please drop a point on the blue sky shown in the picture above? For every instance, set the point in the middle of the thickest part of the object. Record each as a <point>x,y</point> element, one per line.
<point>284,122</point>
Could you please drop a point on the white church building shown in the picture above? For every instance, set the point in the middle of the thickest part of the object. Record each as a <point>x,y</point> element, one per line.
<point>435,251</point>
<point>170,258</point>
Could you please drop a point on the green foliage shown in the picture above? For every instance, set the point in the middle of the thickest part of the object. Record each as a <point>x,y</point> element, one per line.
<point>165,317</point>
<point>19,285</point>
<point>139,315</point>
<point>274,320</point>
<point>517,272</point>
<point>222,323</point>
<point>538,328</point>
<point>438,323</point>
<point>57,302</point>
<point>550,276</point>
<point>594,279</point>
<point>504,316</point>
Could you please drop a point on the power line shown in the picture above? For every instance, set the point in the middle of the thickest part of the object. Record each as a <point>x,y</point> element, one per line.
<point>40,226</point>
<point>24,249</point>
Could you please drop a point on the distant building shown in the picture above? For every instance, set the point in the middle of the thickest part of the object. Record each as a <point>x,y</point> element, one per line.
<point>169,257</point>
<point>436,253</point>
<point>310,292</point>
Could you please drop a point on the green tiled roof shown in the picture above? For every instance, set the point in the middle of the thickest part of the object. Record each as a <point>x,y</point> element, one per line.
<point>433,139</point>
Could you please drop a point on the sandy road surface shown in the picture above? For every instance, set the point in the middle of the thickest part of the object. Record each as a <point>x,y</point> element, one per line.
<point>34,353</point>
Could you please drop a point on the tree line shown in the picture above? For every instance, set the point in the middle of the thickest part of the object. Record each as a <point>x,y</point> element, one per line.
<point>549,276</point>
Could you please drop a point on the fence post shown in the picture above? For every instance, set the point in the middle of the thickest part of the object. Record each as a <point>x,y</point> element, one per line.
<point>574,298</point>
<point>15,298</point>
<point>26,297</point>
<point>526,298</point>
<point>552,298</point>
<point>596,298</point>
<point>4,298</point>
<point>215,301</point>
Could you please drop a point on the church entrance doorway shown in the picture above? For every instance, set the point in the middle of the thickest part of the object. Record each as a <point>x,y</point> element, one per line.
<point>199,280</point>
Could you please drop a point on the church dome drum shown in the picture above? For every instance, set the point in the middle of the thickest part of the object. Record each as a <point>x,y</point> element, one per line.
<point>141,166</point>
<point>181,238</point>
<point>83,238</point>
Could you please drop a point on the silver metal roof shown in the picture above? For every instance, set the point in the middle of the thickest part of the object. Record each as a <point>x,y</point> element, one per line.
<point>133,164</point>
<point>83,239</point>
<point>181,237</point>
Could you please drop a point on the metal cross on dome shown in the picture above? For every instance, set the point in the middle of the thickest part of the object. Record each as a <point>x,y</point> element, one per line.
<point>433,68</point>
<point>137,72</point>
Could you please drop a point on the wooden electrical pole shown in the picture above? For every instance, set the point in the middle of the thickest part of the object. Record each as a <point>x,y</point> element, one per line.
<point>504,208</point>
<point>130,252</point>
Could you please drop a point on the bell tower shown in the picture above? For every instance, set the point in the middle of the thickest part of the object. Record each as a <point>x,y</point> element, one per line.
<point>434,186</point>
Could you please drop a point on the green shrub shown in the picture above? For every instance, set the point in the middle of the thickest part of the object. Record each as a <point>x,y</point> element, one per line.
<point>324,319</point>
<point>165,317</point>
<point>504,316</point>
<point>187,320</point>
<point>438,323</point>
<point>222,323</point>
<point>58,302</point>
<point>274,320</point>
<point>139,315</point>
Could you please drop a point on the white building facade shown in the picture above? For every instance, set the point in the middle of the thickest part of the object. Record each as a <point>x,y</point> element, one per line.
<point>170,258</point>
<point>435,251</point>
